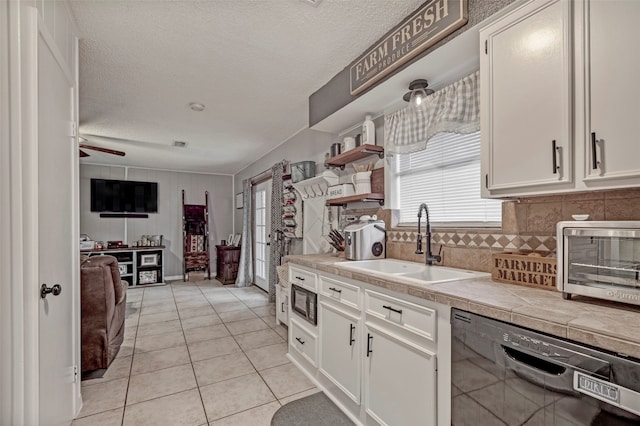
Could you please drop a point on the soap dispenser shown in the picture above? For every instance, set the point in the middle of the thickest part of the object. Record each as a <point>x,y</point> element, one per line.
<point>368,131</point>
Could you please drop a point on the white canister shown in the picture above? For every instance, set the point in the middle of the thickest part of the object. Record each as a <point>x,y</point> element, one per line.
<point>368,131</point>
<point>362,182</point>
<point>348,144</point>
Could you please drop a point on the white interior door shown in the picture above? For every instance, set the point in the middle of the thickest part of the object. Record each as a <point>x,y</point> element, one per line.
<point>56,156</point>
<point>261,233</point>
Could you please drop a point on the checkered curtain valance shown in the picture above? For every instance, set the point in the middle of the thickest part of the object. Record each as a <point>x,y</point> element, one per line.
<point>454,109</point>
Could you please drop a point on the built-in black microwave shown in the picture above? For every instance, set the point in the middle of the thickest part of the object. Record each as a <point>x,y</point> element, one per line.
<point>304,303</point>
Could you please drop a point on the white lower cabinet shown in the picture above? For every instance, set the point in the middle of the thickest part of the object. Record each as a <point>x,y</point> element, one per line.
<point>303,342</point>
<point>376,353</point>
<point>340,352</point>
<point>399,380</point>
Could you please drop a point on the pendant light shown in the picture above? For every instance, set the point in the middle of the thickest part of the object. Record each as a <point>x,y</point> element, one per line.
<point>417,93</point>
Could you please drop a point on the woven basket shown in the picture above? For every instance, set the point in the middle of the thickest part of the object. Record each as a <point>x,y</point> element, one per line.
<point>283,274</point>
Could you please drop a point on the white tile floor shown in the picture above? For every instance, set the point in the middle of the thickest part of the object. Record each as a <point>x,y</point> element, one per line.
<point>196,354</point>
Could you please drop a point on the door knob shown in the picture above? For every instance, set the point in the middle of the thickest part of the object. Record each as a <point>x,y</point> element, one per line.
<point>55,290</point>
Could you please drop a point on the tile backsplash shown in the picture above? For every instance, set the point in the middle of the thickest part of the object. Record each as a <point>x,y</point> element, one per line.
<point>486,239</point>
<point>528,224</point>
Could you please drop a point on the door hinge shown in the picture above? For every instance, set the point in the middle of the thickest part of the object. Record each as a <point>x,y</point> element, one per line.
<point>486,180</point>
<point>75,374</point>
<point>435,362</point>
<point>486,47</point>
<point>73,129</point>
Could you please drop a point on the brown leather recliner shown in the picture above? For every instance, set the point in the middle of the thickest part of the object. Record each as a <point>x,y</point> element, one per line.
<point>103,302</point>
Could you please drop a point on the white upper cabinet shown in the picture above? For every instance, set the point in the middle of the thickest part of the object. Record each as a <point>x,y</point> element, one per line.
<point>559,90</point>
<point>612,90</point>
<point>525,68</point>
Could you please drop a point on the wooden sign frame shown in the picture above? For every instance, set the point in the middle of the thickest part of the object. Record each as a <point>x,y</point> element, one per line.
<point>430,23</point>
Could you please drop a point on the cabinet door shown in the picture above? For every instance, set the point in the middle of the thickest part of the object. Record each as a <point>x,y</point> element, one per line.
<point>614,67</point>
<point>282,306</point>
<point>399,380</point>
<point>340,350</point>
<point>525,68</point>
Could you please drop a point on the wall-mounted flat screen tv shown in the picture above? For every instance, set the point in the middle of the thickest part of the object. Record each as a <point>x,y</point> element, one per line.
<point>123,196</point>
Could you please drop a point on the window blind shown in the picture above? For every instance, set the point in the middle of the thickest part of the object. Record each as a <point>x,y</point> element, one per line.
<point>446,176</point>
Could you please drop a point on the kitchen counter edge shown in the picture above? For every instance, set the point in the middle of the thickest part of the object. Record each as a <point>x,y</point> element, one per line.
<point>601,324</point>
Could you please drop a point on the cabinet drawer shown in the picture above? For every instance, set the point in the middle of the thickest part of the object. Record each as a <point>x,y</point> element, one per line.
<point>303,342</point>
<point>303,278</point>
<point>416,319</point>
<point>341,292</point>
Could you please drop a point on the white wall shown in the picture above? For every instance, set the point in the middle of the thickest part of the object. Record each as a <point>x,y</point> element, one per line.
<point>306,145</point>
<point>168,220</point>
<point>6,259</point>
<point>310,145</point>
<point>303,146</point>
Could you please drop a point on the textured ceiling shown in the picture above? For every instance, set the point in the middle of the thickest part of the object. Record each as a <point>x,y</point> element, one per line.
<point>253,63</point>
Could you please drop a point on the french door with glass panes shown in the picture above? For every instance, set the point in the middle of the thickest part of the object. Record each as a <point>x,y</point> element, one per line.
<point>261,233</point>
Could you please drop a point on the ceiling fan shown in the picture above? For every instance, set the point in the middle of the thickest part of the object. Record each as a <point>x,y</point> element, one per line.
<point>97,148</point>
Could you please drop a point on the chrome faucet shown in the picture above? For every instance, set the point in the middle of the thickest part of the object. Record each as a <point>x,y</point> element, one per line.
<point>430,257</point>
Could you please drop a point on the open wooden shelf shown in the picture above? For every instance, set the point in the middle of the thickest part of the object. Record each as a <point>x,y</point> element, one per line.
<point>342,201</point>
<point>355,154</point>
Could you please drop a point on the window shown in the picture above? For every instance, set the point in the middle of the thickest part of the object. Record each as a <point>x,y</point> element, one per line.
<point>260,234</point>
<point>446,176</point>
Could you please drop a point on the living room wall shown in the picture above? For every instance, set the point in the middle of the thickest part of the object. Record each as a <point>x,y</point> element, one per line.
<point>168,220</point>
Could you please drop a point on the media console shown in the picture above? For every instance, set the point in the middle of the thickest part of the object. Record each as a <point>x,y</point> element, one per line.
<point>139,266</point>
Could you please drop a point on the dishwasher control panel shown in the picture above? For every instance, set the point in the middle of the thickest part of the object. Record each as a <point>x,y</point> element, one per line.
<point>532,344</point>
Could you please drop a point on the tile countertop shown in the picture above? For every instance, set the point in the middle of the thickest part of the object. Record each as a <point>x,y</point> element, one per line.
<point>607,325</point>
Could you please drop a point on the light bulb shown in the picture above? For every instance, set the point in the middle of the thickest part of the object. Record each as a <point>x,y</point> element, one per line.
<point>417,94</point>
<point>417,98</point>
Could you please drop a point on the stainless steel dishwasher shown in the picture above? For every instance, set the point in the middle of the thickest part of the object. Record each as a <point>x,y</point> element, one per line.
<point>503,374</point>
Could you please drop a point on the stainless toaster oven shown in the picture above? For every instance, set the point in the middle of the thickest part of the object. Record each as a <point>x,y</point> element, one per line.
<point>600,259</point>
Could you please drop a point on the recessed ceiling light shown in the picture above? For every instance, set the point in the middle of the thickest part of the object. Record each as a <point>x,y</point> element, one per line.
<point>313,3</point>
<point>180,144</point>
<point>196,106</point>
